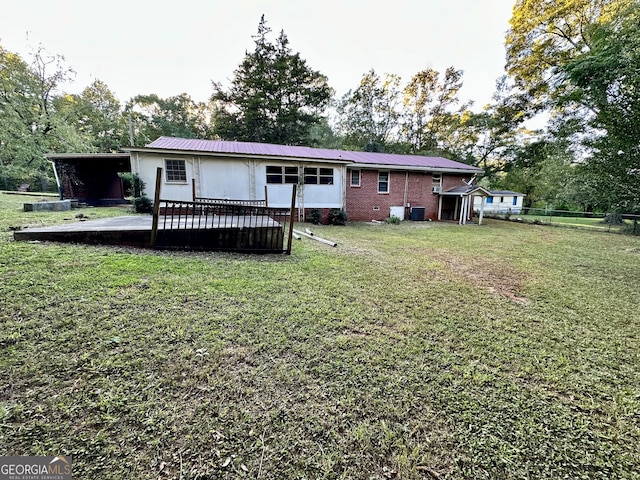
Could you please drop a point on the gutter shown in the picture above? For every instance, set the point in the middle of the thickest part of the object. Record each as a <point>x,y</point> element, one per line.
<point>237,155</point>
<point>411,168</point>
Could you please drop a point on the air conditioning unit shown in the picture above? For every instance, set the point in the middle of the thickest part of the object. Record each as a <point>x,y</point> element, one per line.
<point>436,189</point>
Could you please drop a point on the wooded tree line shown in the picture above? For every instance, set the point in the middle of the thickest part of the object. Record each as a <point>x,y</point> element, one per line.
<point>574,63</point>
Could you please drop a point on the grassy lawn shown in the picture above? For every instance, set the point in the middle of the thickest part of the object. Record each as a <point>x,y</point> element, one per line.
<point>421,350</point>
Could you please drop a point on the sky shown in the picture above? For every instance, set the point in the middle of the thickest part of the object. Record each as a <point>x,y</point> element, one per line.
<point>168,48</point>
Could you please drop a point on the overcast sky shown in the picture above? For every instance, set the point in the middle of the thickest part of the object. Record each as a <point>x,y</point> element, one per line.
<point>167,48</point>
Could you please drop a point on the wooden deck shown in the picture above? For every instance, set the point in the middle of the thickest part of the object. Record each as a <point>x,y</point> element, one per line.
<point>227,233</point>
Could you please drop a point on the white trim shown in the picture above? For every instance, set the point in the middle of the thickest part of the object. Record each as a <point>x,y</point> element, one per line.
<point>166,171</point>
<point>351,184</point>
<point>388,181</point>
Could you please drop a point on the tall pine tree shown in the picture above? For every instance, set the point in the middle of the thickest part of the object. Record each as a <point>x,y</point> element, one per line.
<point>275,97</point>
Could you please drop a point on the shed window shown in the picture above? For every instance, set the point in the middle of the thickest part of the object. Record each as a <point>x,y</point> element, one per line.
<point>515,200</point>
<point>355,178</point>
<point>383,182</point>
<point>176,170</point>
<point>489,199</point>
<point>318,176</point>
<point>280,174</point>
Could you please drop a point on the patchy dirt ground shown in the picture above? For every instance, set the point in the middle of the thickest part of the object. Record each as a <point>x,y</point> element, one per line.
<point>499,278</point>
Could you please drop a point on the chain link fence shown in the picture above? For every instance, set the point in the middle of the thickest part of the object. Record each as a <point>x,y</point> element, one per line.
<point>607,222</point>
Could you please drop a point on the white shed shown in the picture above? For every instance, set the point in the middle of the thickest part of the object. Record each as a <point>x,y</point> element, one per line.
<point>240,170</point>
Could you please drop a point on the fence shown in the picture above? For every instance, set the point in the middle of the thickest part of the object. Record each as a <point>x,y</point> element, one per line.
<point>607,222</point>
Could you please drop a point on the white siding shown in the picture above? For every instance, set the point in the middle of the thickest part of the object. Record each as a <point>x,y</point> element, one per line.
<point>309,196</point>
<point>226,178</point>
<point>146,165</point>
<point>497,206</point>
<point>238,178</point>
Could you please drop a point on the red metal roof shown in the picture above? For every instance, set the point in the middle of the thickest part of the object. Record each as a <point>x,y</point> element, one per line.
<point>250,148</point>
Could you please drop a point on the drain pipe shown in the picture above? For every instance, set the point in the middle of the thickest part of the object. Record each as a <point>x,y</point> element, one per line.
<point>406,191</point>
<point>55,172</point>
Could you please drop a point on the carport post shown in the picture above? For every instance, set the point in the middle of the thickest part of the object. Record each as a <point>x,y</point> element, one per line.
<point>156,208</point>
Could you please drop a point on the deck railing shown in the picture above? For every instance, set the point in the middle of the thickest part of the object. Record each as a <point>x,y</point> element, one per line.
<point>230,201</point>
<point>221,224</point>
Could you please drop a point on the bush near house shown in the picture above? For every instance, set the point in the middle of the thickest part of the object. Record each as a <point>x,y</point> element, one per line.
<point>337,216</point>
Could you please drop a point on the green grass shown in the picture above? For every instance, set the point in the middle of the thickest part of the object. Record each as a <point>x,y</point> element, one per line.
<point>420,350</point>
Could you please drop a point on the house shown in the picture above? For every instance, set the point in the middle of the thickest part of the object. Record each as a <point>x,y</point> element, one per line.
<point>413,187</point>
<point>368,186</point>
<point>501,201</point>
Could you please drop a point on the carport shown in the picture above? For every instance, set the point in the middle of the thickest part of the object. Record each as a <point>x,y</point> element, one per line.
<point>91,178</point>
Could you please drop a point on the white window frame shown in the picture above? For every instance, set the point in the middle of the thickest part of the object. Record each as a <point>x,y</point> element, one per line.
<point>436,180</point>
<point>173,174</point>
<point>387,181</point>
<point>359,179</point>
<point>318,175</point>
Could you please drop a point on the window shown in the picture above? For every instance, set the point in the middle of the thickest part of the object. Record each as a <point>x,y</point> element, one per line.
<point>515,200</point>
<point>355,178</point>
<point>501,199</point>
<point>383,182</point>
<point>489,199</point>
<point>437,180</point>
<point>436,183</point>
<point>290,174</point>
<point>176,170</point>
<point>318,176</point>
<point>279,174</point>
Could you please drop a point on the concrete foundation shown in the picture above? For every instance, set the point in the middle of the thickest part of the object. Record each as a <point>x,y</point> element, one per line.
<point>51,206</point>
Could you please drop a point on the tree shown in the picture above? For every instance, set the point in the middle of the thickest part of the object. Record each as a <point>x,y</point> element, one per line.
<point>607,79</point>
<point>97,115</point>
<point>30,125</point>
<point>275,97</point>
<point>177,116</point>
<point>369,116</point>
<point>498,130</point>
<point>547,35</point>
<point>431,121</point>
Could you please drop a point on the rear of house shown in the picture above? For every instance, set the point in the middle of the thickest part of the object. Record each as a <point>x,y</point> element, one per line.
<point>405,186</point>
<point>368,186</point>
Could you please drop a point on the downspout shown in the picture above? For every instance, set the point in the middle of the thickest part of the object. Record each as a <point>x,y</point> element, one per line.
<point>406,192</point>
<point>55,172</point>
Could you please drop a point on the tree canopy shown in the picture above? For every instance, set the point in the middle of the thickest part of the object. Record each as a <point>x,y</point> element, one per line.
<point>275,97</point>
<point>607,79</point>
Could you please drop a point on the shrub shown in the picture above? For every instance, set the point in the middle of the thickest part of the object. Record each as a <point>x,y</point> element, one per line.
<point>142,204</point>
<point>337,217</point>
<point>314,216</point>
<point>132,184</point>
<point>394,220</point>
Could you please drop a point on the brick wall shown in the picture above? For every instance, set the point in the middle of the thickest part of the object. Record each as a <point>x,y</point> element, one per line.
<point>364,203</point>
